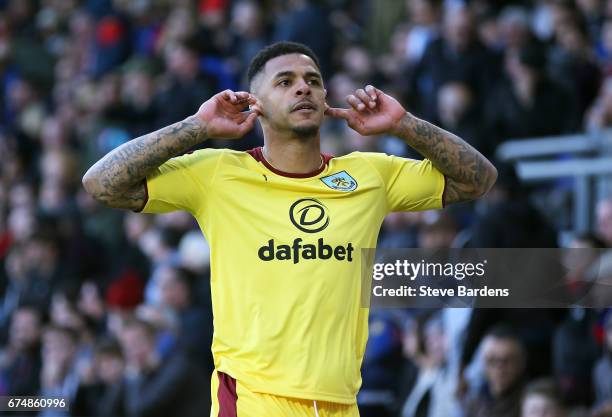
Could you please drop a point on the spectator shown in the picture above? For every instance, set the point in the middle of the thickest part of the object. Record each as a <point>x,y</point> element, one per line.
<point>534,329</point>
<point>383,351</point>
<point>514,28</point>
<point>604,47</point>
<point>101,383</point>
<point>154,388</point>
<point>91,305</point>
<point>504,359</point>
<point>138,93</point>
<point>400,230</point>
<point>296,24</point>
<point>509,219</point>
<point>438,231</point>
<point>602,375</point>
<point>59,375</point>
<point>195,322</point>
<point>248,29</point>
<point>456,56</point>
<point>604,220</point>
<point>599,115</point>
<point>592,12</point>
<point>574,354</point>
<point>20,361</point>
<point>424,27</point>
<point>458,113</point>
<point>33,268</point>
<point>573,64</point>
<point>529,104</point>
<point>186,87</point>
<point>432,392</point>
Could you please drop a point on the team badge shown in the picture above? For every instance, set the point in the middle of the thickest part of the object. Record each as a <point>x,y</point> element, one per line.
<point>340,181</point>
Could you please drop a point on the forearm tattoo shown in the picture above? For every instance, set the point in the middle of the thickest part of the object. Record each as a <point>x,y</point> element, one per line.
<point>468,173</point>
<point>116,179</point>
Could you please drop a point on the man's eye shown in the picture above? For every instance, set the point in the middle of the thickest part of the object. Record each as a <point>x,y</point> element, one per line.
<point>284,83</point>
<point>314,82</point>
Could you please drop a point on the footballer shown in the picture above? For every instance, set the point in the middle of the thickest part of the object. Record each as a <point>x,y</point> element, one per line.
<point>285,224</point>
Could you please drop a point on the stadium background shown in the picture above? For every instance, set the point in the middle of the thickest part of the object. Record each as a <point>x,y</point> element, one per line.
<point>90,296</point>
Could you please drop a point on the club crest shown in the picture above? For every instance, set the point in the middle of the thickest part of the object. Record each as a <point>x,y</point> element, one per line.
<point>340,181</point>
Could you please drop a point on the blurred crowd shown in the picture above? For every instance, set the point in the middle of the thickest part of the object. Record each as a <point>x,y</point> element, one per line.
<point>111,309</point>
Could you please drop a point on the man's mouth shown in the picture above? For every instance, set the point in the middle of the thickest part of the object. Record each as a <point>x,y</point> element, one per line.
<point>304,106</point>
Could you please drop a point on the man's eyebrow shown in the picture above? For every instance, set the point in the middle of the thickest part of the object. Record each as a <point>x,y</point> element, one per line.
<point>313,74</point>
<point>284,74</point>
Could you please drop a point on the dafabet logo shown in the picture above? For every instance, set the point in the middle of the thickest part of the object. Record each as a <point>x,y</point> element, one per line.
<point>308,215</point>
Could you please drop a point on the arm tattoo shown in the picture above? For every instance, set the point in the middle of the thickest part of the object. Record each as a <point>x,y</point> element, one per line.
<point>117,178</point>
<point>468,174</point>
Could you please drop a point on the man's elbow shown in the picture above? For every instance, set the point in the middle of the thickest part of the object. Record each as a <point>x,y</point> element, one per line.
<point>88,182</point>
<point>93,186</point>
<point>490,177</point>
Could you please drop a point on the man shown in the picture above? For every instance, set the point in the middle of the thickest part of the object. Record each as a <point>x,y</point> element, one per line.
<point>504,362</point>
<point>178,293</point>
<point>431,393</point>
<point>604,220</point>
<point>20,361</point>
<point>602,374</point>
<point>59,374</point>
<point>542,398</point>
<point>101,384</point>
<point>153,387</point>
<point>285,224</point>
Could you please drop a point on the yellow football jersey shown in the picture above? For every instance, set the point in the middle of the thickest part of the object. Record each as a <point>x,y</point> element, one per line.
<point>285,258</point>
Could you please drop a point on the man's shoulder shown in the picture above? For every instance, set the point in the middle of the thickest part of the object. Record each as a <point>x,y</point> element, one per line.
<point>213,155</point>
<point>360,156</point>
<point>378,160</point>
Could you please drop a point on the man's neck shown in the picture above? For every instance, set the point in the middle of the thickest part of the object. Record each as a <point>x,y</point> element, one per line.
<point>292,154</point>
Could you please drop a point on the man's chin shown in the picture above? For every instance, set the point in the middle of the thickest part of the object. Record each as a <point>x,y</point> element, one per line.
<point>306,130</point>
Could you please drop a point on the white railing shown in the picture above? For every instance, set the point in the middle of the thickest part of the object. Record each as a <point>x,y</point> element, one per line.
<point>586,158</point>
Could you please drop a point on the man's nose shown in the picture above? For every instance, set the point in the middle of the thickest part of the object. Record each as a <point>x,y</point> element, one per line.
<point>302,89</point>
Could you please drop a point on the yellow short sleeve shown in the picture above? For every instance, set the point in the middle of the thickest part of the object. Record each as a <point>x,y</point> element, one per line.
<point>182,183</point>
<point>410,185</point>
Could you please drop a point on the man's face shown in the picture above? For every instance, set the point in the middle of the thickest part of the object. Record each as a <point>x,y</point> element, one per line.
<point>604,220</point>
<point>609,334</point>
<point>458,26</point>
<point>25,329</point>
<point>137,346</point>
<point>109,367</point>
<point>172,291</point>
<point>58,348</point>
<point>504,363</point>
<point>536,405</point>
<point>290,90</point>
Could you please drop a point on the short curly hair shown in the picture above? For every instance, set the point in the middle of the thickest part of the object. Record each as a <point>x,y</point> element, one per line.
<point>276,50</point>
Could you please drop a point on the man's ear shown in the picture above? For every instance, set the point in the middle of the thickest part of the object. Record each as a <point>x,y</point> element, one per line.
<point>325,91</point>
<point>256,105</point>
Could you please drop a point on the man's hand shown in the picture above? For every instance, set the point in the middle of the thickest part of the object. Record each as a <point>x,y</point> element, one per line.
<point>224,114</point>
<point>468,173</point>
<point>372,112</point>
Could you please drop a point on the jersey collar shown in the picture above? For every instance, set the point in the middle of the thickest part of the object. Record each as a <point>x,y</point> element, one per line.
<point>257,153</point>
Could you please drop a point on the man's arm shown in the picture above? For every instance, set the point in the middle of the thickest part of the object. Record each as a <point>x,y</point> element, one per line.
<point>468,173</point>
<point>117,179</point>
